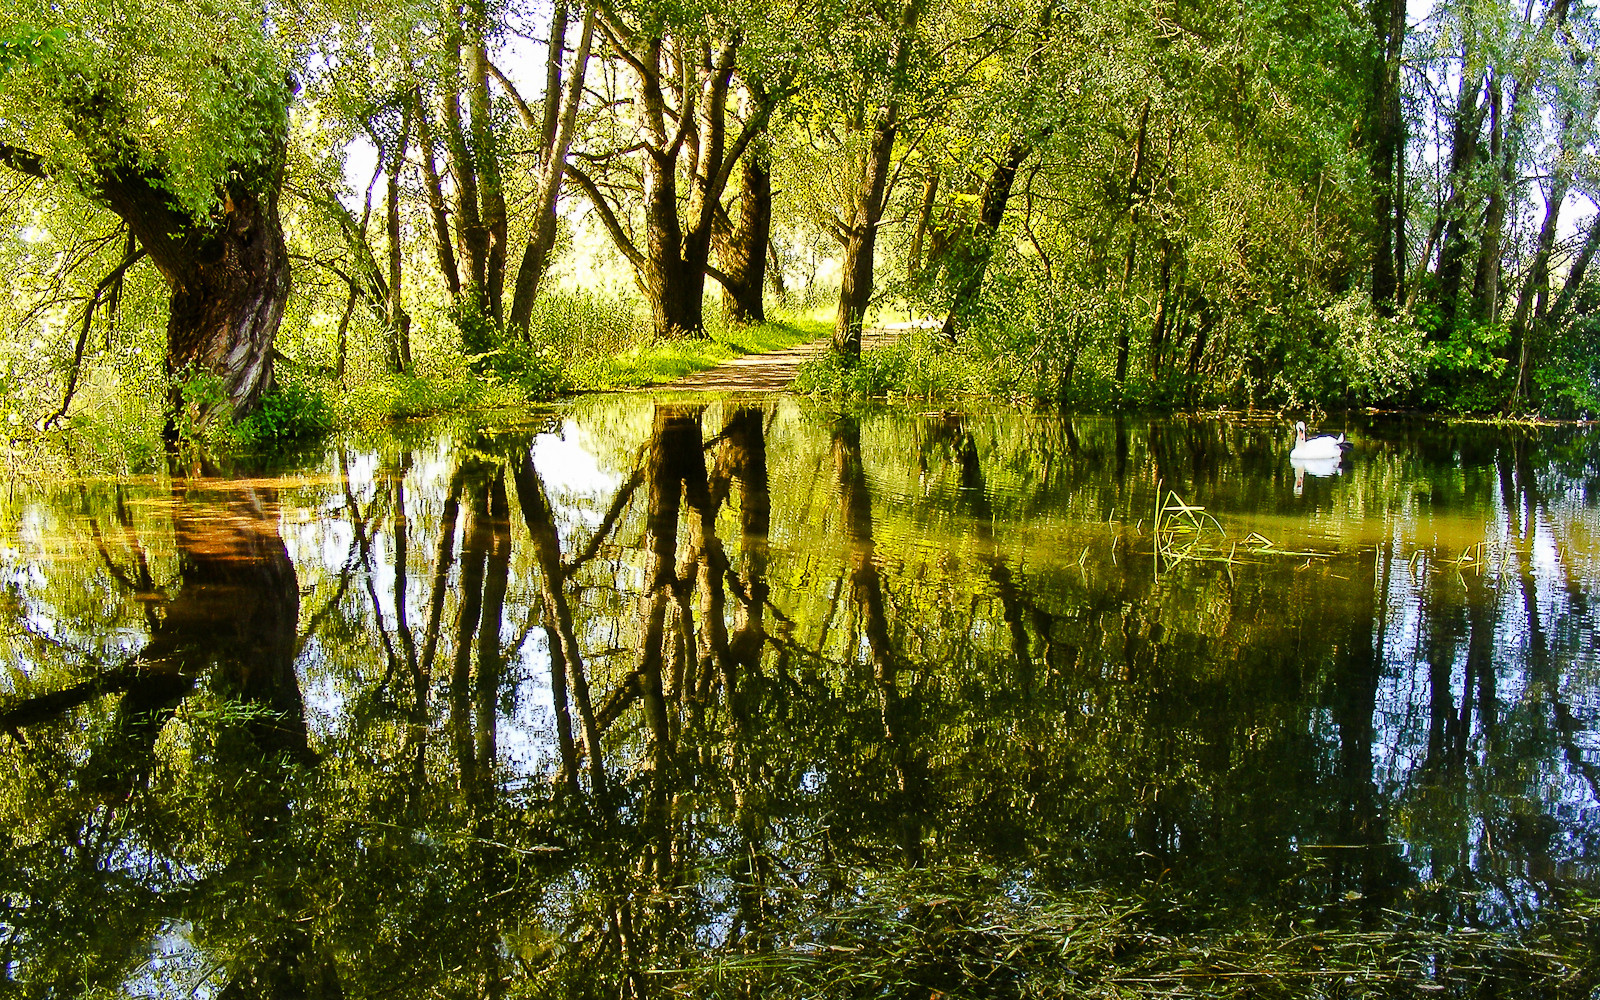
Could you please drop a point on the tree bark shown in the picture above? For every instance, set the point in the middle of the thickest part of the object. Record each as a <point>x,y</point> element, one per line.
<point>1465,135</point>
<point>972,259</point>
<point>229,283</point>
<point>443,243</point>
<point>855,291</point>
<point>1133,239</point>
<point>930,193</point>
<point>691,138</point>
<point>559,125</point>
<point>1387,152</point>
<point>744,253</point>
<point>399,321</point>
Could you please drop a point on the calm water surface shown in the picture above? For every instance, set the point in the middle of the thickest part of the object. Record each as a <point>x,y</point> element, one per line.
<point>646,698</point>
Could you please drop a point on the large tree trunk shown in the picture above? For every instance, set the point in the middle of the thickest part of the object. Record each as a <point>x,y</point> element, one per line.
<point>674,289</point>
<point>229,282</point>
<point>1463,156</point>
<point>671,265</point>
<point>398,324</point>
<point>1388,139</point>
<point>1134,178</point>
<point>744,254</point>
<point>559,120</point>
<point>855,291</point>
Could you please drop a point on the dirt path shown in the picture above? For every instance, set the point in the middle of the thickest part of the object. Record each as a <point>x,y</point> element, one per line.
<point>764,373</point>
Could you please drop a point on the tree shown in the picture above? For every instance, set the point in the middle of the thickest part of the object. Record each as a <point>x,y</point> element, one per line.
<point>174,118</point>
<point>683,67</point>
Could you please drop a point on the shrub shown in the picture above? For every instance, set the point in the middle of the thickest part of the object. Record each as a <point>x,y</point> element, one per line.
<point>293,413</point>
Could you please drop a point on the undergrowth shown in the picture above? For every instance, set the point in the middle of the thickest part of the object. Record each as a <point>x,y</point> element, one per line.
<point>919,364</point>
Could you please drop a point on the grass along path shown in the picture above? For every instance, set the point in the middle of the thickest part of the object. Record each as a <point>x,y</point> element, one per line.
<point>771,371</point>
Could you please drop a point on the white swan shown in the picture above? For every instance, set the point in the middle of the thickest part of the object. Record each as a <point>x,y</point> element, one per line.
<point>1317,448</point>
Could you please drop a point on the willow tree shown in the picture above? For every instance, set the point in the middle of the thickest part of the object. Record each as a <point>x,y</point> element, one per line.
<point>657,183</point>
<point>172,116</point>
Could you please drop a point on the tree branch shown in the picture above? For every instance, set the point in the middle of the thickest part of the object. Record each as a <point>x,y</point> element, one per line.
<point>130,257</point>
<point>23,161</point>
<point>607,217</point>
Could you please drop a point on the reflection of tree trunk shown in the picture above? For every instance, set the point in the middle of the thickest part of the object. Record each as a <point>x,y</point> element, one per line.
<point>238,608</point>
<point>866,584</point>
<point>674,450</point>
<point>422,672</point>
<point>1355,701</point>
<point>743,455</point>
<point>477,539</point>
<point>491,661</point>
<point>566,658</point>
<point>705,566</point>
<point>977,497</point>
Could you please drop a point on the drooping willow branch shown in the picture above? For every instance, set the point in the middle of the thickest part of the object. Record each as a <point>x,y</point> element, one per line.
<point>110,290</point>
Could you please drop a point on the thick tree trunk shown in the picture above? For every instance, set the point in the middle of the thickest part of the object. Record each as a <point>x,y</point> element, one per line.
<point>744,254</point>
<point>559,123</point>
<point>1463,156</point>
<point>674,289</point>
<point>1388,139</point>
<point>399,321</point>
<point>443,243</point>
<point>855,291</point>
<point>1486,282</point>
<point>1134,177</point>
<point>229,282</point>
<point>974,255</point>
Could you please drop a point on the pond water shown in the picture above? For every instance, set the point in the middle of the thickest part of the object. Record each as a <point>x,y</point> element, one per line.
<point>648,697</point>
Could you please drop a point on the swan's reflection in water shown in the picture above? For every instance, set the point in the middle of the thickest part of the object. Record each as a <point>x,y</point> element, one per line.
<point>1322,468</point>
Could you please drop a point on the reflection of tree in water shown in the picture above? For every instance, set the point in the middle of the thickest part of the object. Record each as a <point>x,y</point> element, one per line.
<point>751,787</point>
<point>221,651</point>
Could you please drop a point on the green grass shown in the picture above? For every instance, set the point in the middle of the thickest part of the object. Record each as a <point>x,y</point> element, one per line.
<point>919,364</point>
<point>654,362</point>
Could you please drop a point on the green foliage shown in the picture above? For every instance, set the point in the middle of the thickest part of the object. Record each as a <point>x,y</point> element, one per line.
<point>293,413</point>
<point>190,95</point>
<point>24,43</point>
<point>919,364</point>
<point>406,396</point>
<point>1568,379</point>
<point>1466,370</point>
<point>1376,359</point>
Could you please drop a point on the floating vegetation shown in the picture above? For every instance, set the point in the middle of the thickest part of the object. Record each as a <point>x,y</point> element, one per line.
<point>956,933</point>
<point>1186,532</point>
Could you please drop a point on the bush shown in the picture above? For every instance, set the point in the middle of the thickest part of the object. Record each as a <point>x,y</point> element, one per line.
<point>293,413</point>
<point>920,364</point>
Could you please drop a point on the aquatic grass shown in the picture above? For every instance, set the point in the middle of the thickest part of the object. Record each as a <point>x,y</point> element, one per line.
<point>1188,532</point>
<point>954,931</point>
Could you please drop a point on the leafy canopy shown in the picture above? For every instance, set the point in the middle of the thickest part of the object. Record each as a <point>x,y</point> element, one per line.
<point>189,95</point>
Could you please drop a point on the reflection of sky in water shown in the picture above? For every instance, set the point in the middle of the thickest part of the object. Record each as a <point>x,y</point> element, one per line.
<point>1441,552</point>
<point>321,542</point>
